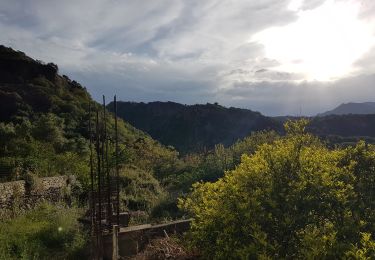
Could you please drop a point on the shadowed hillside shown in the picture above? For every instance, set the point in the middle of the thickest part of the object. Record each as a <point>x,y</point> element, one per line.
<point>344,129</point>
<point>195,127</point>
<point>29,87</point>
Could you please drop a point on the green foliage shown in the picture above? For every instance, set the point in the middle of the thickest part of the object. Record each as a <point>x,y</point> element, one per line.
<point>77,166</point>
<point>33,183</point>
<point>49,128</point>
<point>365,249</point>
<point>139,189</point>
<point>293,198</point>
<point>166,209</point>
<point>250,144</point>
<point>44,232</point>
<point>212,165</point>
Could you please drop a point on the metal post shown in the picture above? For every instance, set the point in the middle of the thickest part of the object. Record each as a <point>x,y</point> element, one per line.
<point>117,168</point>
<point>105,143</point>
<point>99,215</point>
<point>103,158</point>
<point>92,205</point>
<point>94,232</point>
<point>109,210</point>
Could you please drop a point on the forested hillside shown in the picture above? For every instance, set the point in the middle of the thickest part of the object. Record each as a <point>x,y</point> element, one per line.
<point>344,129</point>
<point>344,125</point>
<point>195,127</point>
<point>44,129</point>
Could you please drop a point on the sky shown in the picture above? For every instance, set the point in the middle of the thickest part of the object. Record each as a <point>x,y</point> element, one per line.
<point>279,57</point>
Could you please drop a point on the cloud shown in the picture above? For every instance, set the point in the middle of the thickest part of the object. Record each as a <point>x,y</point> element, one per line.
<point>296,98</point>
<point>185,51</point>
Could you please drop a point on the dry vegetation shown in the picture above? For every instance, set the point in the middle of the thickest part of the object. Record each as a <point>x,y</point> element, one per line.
<point>166,248</point>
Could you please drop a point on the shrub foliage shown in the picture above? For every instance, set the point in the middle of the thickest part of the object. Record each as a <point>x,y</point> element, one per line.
<point>293,198</point>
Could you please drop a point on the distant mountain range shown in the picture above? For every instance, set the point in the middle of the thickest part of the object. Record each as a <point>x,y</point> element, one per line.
<point>194,127</point>
<point>352,108</point>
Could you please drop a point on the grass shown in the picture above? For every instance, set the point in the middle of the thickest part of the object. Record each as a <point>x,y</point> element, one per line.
<point>47,231</point>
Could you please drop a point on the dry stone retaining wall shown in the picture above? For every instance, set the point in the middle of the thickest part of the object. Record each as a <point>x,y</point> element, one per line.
<point>51,189</point>
<point>9,190</point>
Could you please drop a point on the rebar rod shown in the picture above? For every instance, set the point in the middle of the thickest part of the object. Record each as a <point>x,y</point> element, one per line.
<point>98,172</point>
<point>117,167</point>
<point>92,204</point>
<point>106,166</point>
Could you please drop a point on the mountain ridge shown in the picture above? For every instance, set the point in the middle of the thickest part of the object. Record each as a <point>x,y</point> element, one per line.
<point>358,108</point>
<point>193,127</point>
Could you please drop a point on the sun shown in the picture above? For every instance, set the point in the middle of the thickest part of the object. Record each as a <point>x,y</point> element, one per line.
<point>322,44</point>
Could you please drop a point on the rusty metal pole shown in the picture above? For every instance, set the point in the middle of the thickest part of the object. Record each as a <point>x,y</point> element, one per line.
<point>92,199</point>
<point>99,215</point>
<point>92,211</point>
<point>117,168</point>
<point>102,141</point>
<point>106,166</point>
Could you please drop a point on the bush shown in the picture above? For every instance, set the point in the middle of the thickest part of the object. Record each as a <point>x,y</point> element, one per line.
<point>7,168</point>
<point>33,182</point>
<point>292,199</point>
<point>166,209</point>
<point>139,189</point>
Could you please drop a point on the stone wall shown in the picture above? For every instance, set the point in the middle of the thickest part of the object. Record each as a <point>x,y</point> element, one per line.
<point>9,190</point>
<point>50,188</point>
<point>54,182</point>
